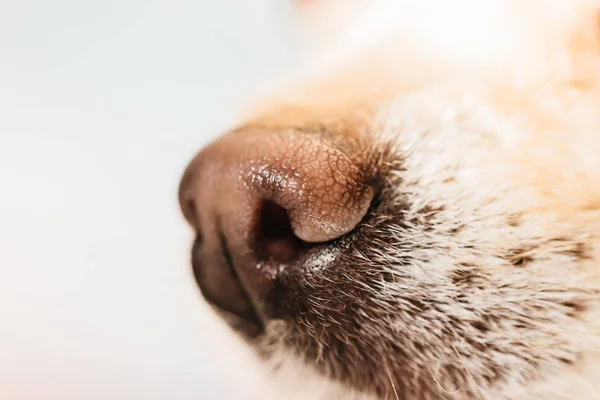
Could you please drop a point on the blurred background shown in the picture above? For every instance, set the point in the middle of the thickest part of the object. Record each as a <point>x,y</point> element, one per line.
<point>102,104</point>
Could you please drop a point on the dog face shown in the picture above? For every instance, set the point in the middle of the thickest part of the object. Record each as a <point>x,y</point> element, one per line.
<point>419,220</point>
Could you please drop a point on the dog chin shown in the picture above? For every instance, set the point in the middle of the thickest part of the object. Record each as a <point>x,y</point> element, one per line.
<point>295,379</point>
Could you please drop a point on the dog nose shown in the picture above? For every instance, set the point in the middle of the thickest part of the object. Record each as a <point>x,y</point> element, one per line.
<point>259,200</point>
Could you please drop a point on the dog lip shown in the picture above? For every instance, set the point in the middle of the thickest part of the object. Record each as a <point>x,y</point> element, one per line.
<point>231,302</point>
<point>250,324</point>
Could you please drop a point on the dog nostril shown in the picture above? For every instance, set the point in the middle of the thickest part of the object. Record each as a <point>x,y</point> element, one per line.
<point>275,239</point>
<point>263,200</point>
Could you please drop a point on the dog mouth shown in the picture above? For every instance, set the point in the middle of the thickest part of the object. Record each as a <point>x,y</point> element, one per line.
<point>286,267</point>
<point>233,304</point>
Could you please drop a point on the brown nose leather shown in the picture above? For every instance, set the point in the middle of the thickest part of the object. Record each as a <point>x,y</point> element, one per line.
<point>257,197</point>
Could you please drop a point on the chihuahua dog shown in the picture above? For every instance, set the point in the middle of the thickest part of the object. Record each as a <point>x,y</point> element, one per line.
<point>418,215</point>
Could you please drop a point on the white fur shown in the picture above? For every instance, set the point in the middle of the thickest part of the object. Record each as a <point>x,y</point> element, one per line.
<point>462,154</point>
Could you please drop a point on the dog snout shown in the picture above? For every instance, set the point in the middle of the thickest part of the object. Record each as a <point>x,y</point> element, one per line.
<point>259,201</point>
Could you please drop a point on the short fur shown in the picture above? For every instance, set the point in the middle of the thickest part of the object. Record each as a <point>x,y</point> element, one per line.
<point>475,274</point>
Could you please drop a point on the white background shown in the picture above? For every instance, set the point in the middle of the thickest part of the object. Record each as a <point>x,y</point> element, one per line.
<point>102,104</point>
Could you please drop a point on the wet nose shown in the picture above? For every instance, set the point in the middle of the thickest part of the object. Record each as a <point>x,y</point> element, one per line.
<point>258,202</point>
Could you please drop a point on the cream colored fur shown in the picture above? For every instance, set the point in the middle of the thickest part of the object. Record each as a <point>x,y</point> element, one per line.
<point>496,105</point>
